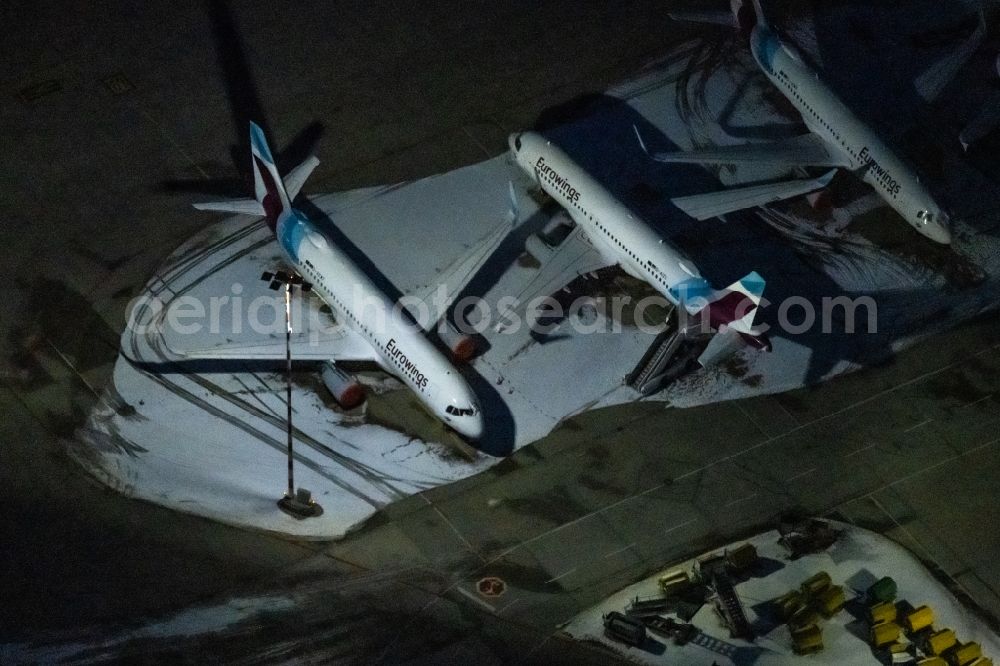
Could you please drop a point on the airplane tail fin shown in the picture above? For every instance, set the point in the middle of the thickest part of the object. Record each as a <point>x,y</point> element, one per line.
<point>735,308</point>
<point>268,187</point>
<point>272,194</point>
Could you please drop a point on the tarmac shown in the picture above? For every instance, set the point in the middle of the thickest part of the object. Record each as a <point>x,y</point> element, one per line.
<point>111,115</point>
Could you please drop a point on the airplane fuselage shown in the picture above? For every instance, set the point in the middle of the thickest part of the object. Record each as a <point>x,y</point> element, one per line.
<point>363,307</point>
<point>610,227</point>
<point>829,118</point>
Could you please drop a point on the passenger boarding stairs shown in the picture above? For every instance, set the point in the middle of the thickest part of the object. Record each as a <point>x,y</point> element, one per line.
<point>730,607</point>
<point>666,359</point>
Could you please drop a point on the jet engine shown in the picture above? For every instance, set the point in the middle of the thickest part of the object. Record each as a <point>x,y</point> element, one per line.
<point>537,248</point>
<point>543,244</point>
<point>345,388</point>
<point>461,345</point>
<point>820,200</point>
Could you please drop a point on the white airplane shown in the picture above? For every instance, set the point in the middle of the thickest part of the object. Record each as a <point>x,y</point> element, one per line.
<point>396,345</point>
<point>606,233</point>
<point>838,138</point>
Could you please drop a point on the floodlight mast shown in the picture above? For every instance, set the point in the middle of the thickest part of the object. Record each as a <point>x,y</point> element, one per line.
<point>288,385</point>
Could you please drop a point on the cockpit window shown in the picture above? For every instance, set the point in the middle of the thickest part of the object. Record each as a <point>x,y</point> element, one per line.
<point>517,142</point>
<point>459,411</point>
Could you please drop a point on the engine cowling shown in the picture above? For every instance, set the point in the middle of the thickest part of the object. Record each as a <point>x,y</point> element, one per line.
<point>345,388</point>
<point>820,200</point>
<point>535,246</point>
<point>557,226</point>
<point>461,345</point>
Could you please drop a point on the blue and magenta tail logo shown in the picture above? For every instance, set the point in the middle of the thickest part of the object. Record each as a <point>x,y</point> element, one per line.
<point>272,200</point>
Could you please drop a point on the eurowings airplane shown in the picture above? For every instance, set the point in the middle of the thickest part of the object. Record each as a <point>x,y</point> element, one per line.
<point>838,138</point>
<point>606,233</point>
<point>396,345</point>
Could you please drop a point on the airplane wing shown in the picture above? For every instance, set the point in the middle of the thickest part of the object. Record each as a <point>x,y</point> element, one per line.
<point>345,345</point>
<point>238,206</point>
<point>572,258</point>
<point>805,150</point>
<point>450,282</point>
<point>718,17</point>
<point>932,82</point>
<point>714,204</point>
<point>295,178</point>
<point>720,348</point>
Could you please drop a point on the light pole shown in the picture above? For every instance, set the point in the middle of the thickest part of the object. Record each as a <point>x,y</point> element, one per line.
<point>297,503</point>
<point>288,386</point>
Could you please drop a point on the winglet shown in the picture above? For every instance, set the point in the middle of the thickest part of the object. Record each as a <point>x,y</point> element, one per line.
<point>638,135</point>
<point>515,211</point>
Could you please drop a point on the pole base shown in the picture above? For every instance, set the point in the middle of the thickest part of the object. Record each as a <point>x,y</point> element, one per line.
<point>301,505</point>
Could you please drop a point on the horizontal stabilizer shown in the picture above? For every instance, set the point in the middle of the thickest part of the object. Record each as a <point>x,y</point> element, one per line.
<point>238,206</point>
<point>800,151</point>
<point>722,346</point>
<point>714,204</point>
<point>704,16</point>
<point>296,178</point>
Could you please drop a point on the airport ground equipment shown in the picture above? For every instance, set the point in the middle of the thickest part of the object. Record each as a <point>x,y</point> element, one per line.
<point>742,557</point>
<point>807,639</point>
<point>728,604</point>
<point>940,642</point>
<point>647,606</point>
<point>713,571</point>
<point>679,632</point>
<point>882,612</point>
<point>788,604</point>
<point>918,619</point>
<point>899,652</point>
<point>804,537</point>
<point>625,629</point>
<point>829,601</point>
<point>884,633</point>
<point>706,566</point>
<point>675,581</point>
<point>882,590</point>
<point>673,353</point>
<point>815,584</point>
<point>803,617</point>
<point>932,661</point>
<point>965,653</point>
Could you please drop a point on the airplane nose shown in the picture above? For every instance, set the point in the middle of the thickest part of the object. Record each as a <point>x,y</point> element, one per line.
<point>939,232</point>
<point>470,426</point>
